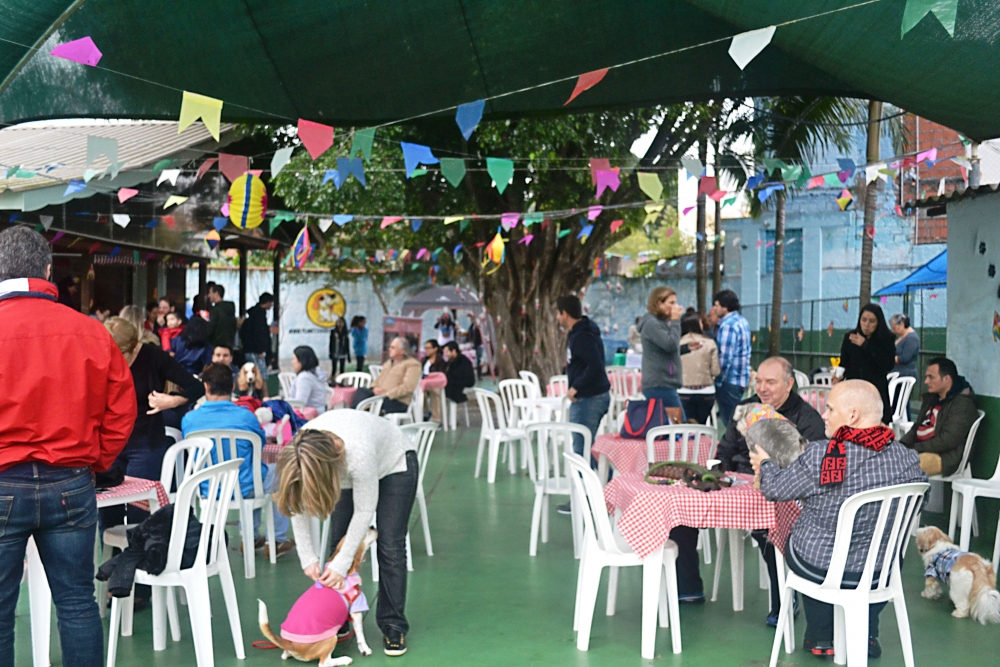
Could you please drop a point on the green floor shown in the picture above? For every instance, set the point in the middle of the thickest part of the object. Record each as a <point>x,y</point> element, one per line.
<point>481,600</point>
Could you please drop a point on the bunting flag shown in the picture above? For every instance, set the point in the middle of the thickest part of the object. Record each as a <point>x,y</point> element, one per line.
<point>233,166</point>
<point>454,253</point>
<point>815,182</point>
<point>362,142</point>
<point>453,219</point>
<point>586,82</point>
<point>58,236</point>
<point>169,221</point>
<point>564,232</point>
<point>607,178</point>
<point>390,220</point>
<point>693,166</point>
<point>205,166</point>
<point>717,195</point>
<point>174,200</point>
<point>316,137</point>
<point>88,174</point>
<point>152,223</point>
<point>342,219</point>
<point>280,158</point>
<point>121,219</point>
<point>73,187</point>
<point>46,221</point>
<point>650,184</point>
<point>833,180</point>
<point>756,180</point>
<point>495,249</point>
<point>526,239</point>
<point>845,199</point>
<point>219,223</point>
<point>103,146</point>
<point>453,170</point>
<point>874,171</point>
<point>509,220</point>
<point>585,232</point>
<point>272,244</point>
<point>415,224</point>
<point>929,155</point>
<point>82,51</point>
<point>169,175</point>
<point>707,186</point>
<point>347,167</point>
<point>731,199</point>
<point>944,11</point>
<point>94,247</point>
<point>463,225</point>
<point>212,239</point>
<point>115,251</point>
<point>593,212</point>
<point>415,155</point>
<point>747,45</point>
<point>653,212</point>
<point>501,170</point>
<point>331,175</point>
<point>421,253</point>
<point>468,116</point>
<point>301,249</point>
<point>195,106</point>
<point>596,164</point>
<point>616,225</point>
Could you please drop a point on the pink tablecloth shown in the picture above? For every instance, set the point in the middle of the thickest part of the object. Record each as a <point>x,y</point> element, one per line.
<point>341,395</point>
<point>270,453</point>
<point>651,511</point>
<point>132,486</point>
<point>629,455</point>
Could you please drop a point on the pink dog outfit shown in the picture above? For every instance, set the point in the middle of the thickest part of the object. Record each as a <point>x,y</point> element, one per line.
<point>321,611</point>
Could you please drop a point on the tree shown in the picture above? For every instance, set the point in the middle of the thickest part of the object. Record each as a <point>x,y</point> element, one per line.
<point>871,201</point>
<point>552,172</point>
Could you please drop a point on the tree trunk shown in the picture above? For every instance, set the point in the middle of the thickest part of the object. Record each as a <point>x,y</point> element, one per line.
<point>774,348</point>
<point>701,268</point>
<point>717,251</point>
<point>871,202</point>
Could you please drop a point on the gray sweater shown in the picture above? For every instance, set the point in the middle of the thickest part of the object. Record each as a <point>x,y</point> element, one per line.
<point>661,352</point>
<point>907,350</point>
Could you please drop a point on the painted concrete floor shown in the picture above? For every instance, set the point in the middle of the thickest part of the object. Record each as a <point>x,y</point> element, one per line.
<point>481,600</point>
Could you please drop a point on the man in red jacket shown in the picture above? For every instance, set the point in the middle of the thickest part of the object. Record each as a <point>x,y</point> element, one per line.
<point>66,409</point>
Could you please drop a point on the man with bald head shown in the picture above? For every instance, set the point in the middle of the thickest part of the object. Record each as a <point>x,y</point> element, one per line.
<point>858,454</point>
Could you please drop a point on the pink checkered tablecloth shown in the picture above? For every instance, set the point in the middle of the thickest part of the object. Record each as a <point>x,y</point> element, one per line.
<point>650,511</point>
<point>629,454</point>
<point>342,395</point>
<point>270,453</point>
<point>130,487</point>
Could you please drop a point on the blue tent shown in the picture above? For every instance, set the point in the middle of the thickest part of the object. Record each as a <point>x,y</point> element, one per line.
<point>932,274</point>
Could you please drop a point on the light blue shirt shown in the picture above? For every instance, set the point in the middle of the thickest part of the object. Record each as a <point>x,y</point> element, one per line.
<point>227,415</point>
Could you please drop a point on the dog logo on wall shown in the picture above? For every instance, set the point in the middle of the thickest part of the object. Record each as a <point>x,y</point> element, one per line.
<point>325,306</point>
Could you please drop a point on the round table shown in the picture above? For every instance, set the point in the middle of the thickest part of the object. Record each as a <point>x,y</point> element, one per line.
<point>629,454</point>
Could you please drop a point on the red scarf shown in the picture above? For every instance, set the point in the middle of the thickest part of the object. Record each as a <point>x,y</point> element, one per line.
<point>835,459</point>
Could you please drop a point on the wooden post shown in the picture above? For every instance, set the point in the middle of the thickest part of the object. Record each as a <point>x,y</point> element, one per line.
<point>243,282</point>
<point>277,305</point>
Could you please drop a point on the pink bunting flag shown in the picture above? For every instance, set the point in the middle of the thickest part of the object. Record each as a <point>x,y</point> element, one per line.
<point>316,137</point>
<point>717,195</point>
<point>205,166</point>
<point>421,253</point>
<point>814,182</point>
<point>769,244</point>
<point>687,210</point>
<point>707,186</point>
<point>616,225</point>
<point>509,220</point>
<point>124,194</point>
<point>255,172</point>
<point>233,166</point>
<point>58,236</point>
<point>390,220</point>
<point>759,243</point>
<point>586,82</point>
<point>607,178</point>
<point>527,239</point>
<point>593,212</point>
<point>927,155</point>
<point>596,164</point>
<point>670,232</point>
<point>224,210</point>
<point>898,211</point>
<point>82,51</point>
<point>870,231</point>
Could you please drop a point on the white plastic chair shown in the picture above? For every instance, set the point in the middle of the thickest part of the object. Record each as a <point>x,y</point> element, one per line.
<point>899,396</point>
<point>558,385</point>
<point>211,560</point>
<point>372,404</point>
<point>552,476</point>
<point>897,507</point>
<point>285,379</point>
<point>414,412</point>
<point>624,387</point>
<point>374,370</point>
<point>965,490</point>
<point>528,376</point>
<point>354,379</point>
<point>510,391</point>
<point>422,433</point>
<point>822,380</point>
<point>245,506</point>
<point>801,379</point>
<point>495,432</point>
<point>815,395</point>
<point>451,413</point>
<point>604,547</point>
<point>892,376</point>
<point>686,442</point>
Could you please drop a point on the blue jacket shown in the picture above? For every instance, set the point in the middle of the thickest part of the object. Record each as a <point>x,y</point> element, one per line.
<point>226,415</point>
<point>194,359</point>
<point>360,340</point>
<point>585,360</point>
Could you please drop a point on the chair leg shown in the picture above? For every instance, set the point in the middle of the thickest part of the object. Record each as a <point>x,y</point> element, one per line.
<point>764,579</point>
<point>200,611</point>
<point>652,569</point>
<point>612,591</point>
<point>373,556</point>
<point>530,453</point>
<point>975,519</point>
<point>491,459</point>
<point>673,607</point>
<point>789,627</point>
<point>957,498</point>
<point>114,628</point>
<point>588,600</point>
<point>128,613</point>
<point>705,539</point>
<point>479,456</point>
<point>102,586</point>
<point>324,540</point>
<point>839,636</point>
<point>409,554</point>
<point>720,539</point>
<point>856,634</point>
<point>246,534</point>
<point>536,518</point>
<point>968,505</point>
<point>422,504</point>
<point>173,618</point>
<point>268,512</point>
<point>903,621</point>
<point>466,406</point>
<point>159,605</point>
<point>580,572</point>
<point>996,547</point>
<point>736,565</point>
<point>232,605</point>
<point>785,610</point>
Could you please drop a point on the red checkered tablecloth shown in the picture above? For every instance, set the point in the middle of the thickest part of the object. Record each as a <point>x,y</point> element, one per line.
<point>650,511</point>
<point>270,453</point>
<point>341,395</point>
<point>133,486</point>
<point>629,455</point>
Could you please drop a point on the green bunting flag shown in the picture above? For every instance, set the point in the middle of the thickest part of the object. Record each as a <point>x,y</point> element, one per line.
<point>944,10</point>
<point>161,165</point>
<point>532,218</point>
<point>564,232</point>
<point>501,171</point>
<point>462,226</point>
<point>362,141</point>
<point>453,169</point>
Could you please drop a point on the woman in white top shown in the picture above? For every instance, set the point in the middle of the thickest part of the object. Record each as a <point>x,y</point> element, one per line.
<point>354,466</point>
<point>307,386</point>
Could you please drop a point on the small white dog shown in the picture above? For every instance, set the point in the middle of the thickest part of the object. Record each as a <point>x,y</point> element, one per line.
<point>972,583</point>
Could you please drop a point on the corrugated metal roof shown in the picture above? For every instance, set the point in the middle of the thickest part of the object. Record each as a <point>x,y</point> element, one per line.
<point>37,147</point>
<point>953,196</point>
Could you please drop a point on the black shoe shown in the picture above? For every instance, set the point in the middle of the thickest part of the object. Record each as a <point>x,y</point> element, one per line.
<point>345,632</point>
<point>819,649</point>
<point>874,648</point>
<point>394,644</point>
<point>691,598</point>
<point>565,509</point>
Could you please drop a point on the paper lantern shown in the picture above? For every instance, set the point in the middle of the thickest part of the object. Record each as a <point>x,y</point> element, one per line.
<point>247,201</point>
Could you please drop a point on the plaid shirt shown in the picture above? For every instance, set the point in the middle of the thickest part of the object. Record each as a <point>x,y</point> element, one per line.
<point>733,340</point>
<point>814,533</point>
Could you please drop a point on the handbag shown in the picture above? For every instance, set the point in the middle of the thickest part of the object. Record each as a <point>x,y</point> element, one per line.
<point>640,416</point>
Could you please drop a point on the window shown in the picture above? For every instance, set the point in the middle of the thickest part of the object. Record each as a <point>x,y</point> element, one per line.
<point>793,250</point>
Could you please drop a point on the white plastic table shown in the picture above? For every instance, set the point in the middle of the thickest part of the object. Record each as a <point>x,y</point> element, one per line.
<point>544,408</point>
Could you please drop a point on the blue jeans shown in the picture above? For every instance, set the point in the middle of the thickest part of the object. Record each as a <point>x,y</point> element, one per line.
<point>669,396</point>
<point>58,506</point>
<point>728,396</point>
<point>280,520</point>
<point>588,412</point>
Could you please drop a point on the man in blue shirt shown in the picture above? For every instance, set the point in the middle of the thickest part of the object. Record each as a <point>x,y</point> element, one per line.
<point>733,339</point>
<point>219,412</point>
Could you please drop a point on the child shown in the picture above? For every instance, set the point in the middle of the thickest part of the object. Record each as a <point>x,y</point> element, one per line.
<point>174,328</point>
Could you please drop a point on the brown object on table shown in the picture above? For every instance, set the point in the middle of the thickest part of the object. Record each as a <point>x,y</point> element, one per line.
<point>693,475</point>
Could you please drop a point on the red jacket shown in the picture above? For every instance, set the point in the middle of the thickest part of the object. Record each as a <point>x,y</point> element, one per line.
<point>66,392</point>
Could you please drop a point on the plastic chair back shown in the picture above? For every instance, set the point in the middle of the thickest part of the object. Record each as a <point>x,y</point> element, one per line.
<point>224,447</point>
<point>510,391</point>
<point>374,370</point>
<point>815,395</point>
<point>528,376</point>
<point>899,395</point>
<point>822,380</point>
<point>969,440</point>
<point>553,436</point>
<point>491,410</point>
<point>354,379</point>
<point>558,385</point>
<point>421,433</point>
<point>624,382</point>
<point>372,404</point>
<point>183,459</point>
<point>286,379</point>
<point>590,495</point>
<point>892,376</point>
<point>173,433</point>
<point>221,481</point>
<point>801,379</point>
<point>898,506</point>
<point>687,442</point>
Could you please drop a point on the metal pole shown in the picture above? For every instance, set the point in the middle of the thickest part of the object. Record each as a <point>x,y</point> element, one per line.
<point>243,282</point>
<point>276,270</point>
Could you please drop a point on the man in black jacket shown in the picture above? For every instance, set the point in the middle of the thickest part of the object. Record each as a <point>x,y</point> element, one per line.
<point>458,369</point>
<point>589,388</point>
<point>255,334</point>
<point>775,381</point>
<point>221,318</point>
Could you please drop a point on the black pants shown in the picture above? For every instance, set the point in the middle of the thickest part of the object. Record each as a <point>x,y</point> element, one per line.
<point>688,566</point>
<point>819,615</point>
<point>389,405</point>
<point>333,365</point>
<point>392,517</point>
<point>698,406</point>
<point>361,363</point>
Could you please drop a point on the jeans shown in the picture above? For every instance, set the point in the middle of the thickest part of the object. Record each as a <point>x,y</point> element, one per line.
<point>728,396</point>
<point>138,460</point>
<point>698,406</point>
<point>669,396</point>
<point>260,361</point>
<point>58,506</point>
<point>281,521</point>
<point>396,494</point>
<point>333,365</point>
<point>389,405</point>
<point>588,412</point>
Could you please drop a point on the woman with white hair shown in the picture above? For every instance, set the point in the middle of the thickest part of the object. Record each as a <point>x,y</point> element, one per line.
<point>907,345</point>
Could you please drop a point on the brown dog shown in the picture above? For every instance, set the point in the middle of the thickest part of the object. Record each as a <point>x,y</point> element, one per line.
<point>971,580</point>
<point>323,650</point>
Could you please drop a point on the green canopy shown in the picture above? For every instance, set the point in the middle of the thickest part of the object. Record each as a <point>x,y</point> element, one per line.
<point>362,63</point>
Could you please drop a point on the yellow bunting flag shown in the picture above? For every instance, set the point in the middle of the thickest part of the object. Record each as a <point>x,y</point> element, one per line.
<point>453,218</point>
<point>650,184</point>
<point>174,200</point>
<point>195,106</point>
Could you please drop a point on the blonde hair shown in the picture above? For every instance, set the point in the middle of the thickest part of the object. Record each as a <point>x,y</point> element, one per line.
<point>309,470</point>
<point>656,297</point>
<point>125,335</point>
<point>135,316</point>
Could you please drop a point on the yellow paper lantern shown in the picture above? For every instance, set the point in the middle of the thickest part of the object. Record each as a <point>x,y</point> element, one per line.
<point>247,201</point>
